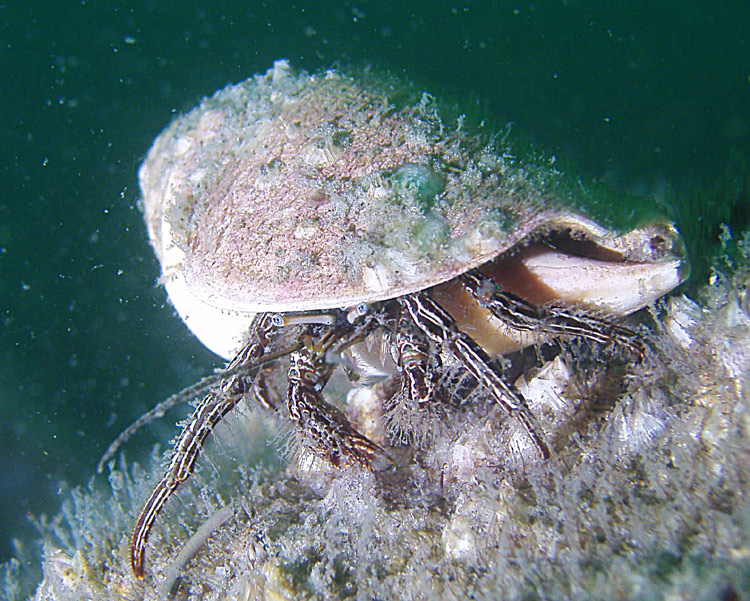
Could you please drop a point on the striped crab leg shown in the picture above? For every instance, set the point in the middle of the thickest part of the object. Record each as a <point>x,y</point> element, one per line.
<point>308,374</point>
<point>441,329</point>
<point>419,368</point>
<point>209,412</point>
<point>417,364</point>
<point>323,428</point>
<point>552,320</point>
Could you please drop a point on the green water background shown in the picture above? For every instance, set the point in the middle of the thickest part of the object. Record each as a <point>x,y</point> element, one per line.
<point>644,95</point>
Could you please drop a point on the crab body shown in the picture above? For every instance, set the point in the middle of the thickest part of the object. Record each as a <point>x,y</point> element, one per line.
<point>298,216</point>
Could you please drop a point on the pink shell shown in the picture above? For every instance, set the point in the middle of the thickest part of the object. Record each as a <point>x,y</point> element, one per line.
<point>293,192</point>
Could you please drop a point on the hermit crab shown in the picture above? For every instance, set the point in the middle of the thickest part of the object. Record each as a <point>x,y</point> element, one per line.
<point>298,217</point>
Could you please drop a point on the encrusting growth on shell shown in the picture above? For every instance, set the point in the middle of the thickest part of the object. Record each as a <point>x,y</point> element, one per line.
<point>297,192</point>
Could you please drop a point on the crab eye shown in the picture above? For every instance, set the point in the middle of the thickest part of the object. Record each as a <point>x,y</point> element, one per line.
<point>277,320</point>
<point>358,311</point>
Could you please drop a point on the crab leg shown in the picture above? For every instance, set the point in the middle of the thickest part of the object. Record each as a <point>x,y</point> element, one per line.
<point>209,412</point>
<point>418,366</point>
<point>417,374</point>
<point>440,327</point>
<point>555,321</point>
<point>325,430</point>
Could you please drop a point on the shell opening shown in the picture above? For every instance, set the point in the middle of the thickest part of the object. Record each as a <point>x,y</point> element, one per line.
<point>616,275</point>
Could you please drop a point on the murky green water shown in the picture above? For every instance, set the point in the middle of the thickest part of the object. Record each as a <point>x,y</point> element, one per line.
<point>642,96</point>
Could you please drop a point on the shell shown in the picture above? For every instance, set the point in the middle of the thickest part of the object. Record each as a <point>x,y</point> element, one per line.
<point>298,192</point>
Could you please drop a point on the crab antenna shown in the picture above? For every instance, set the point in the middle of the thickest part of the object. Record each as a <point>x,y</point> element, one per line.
<point>158,412</point>
<point>191,392</point>
<point>356,312</point>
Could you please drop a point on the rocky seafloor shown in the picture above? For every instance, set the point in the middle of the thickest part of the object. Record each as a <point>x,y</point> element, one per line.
<point>645,496</point>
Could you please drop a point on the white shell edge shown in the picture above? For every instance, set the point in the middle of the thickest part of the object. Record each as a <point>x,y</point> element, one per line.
<point>223,332</point>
